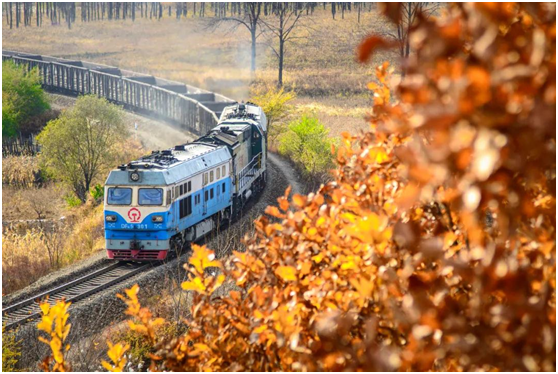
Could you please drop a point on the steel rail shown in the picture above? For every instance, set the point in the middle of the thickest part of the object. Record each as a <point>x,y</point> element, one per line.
<point>73,291</point>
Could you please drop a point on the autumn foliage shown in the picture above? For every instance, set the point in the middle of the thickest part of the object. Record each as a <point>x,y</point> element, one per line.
<point>55,327</point>
<point>433,248</point>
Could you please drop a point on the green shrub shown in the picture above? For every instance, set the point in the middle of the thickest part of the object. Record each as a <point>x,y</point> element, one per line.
<point>307,144</point>
<point>276,105</point>
<point>22,97</point>
<point>97,192</point>
<point>10,351</point>
<point>72,200</point>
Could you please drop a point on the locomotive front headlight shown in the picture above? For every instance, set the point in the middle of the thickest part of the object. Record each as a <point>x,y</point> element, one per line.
<point>157,218</point>
<point>134,176</point>
<point>110,218</point>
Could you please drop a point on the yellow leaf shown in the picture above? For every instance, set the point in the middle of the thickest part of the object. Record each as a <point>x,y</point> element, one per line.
<point>378,155</point>
<point>194,285</point>
<point>299,200</point>
<point>274,212</point>
<point>45,307</point>
<point>363,286</point>
<point>202,258</point>
<point>283,204</point>
<point>287,273</point>
<point>260,329</point>
<point>318,258</point>
<point>45,324</point>
<point>55,346</point>
<point>107,366</point>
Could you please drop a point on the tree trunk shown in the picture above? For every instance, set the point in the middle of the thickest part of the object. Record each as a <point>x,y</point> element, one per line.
<point>359,8</point>
<point>281,55</point>
<point>253,62</point>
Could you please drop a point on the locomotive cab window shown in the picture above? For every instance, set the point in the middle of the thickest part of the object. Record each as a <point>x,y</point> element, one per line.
<point>211,176</point>
<point>224,169</point>
<point>119,196</point>
<point>189,186</point>
<point>218,173</point>
<point>150,196</point>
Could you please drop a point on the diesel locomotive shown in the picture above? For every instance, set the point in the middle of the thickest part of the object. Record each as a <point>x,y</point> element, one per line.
<point>173,197</point>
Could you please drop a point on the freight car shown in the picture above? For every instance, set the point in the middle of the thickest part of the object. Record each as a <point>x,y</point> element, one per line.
<point>173,197</point>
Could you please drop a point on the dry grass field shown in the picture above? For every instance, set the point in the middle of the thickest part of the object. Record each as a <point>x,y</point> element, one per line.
<point>319,64</point>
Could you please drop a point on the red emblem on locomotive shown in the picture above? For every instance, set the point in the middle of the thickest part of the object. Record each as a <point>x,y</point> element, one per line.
<point>134,215</point>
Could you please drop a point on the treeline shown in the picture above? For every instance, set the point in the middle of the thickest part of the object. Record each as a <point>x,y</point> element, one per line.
<point>28,14</point>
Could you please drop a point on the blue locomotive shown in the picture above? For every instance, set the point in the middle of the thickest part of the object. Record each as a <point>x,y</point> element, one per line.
<point>176,196</point>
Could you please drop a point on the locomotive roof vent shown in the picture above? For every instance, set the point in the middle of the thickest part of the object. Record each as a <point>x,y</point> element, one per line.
<point>167,152</point>
<point>180,147</point>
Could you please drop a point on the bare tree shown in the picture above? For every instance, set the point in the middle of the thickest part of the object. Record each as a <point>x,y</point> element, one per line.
<point>249,17</point>
<point>409,13</point>
<point>286,18</point>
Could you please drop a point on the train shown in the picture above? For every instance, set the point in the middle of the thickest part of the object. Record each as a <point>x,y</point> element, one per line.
<point>170,198</point>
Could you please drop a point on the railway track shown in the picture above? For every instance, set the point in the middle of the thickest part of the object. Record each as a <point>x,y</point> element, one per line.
<point>27,310</point>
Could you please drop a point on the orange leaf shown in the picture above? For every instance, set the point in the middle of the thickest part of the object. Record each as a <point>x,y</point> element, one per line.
<point>369,45</point>
<point>287,273</point>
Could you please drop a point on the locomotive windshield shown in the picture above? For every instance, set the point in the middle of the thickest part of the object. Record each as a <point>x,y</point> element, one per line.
<point>150,196</point>
<point>119,196</point>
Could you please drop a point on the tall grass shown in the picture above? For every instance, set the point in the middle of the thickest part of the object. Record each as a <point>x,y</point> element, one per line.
<point>20,171</point>
<point>29,253</point>
<point>24,257</point>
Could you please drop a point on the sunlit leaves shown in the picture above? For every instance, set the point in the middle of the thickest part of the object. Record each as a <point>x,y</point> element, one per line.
<point>116,354</point>
<point>203,258</point>
<point>143,321</point>
<point>54,323</point>
<point>286,273</point>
